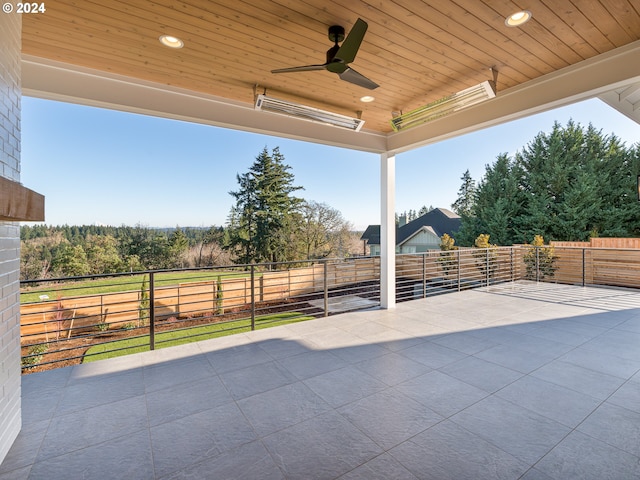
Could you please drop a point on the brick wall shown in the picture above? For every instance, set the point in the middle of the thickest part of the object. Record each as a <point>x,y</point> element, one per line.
<point>10,418</point>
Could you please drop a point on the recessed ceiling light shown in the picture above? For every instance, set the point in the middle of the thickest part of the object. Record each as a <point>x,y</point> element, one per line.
<point>367,99</point>
<point>518,18</point>
<point>171,41</point>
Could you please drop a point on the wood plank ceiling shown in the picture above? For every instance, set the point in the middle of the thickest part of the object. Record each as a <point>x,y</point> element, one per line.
<point>417,51</point>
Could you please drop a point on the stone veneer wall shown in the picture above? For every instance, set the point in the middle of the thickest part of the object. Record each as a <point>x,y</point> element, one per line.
<point>10,412</point>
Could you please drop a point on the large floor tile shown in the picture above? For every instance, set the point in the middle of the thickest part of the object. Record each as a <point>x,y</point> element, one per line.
<point>344,386</point>
<point>448,452</point>
<point>441,393</point>
<point>479,373</point>
<point>282,407</point>
<point>515,358</point>
<point>310,364</point>
<point>128,456</point>
<point>583,380</point>
<point>180,401</point>
<point>25,448</point>
<point>616,426</point>
<point>247,462</point>
<point>323,447</point>
<point>432,355</point>
<point>201,436</point>
<point>389,417</point>
<point>237,357</point>
<point>523,433</point>
<point>627,396</point>
<point>563,405</point>
<point>392,368</point>
<point>101,390</point>
<point>463,342</point>
<point>87,427</point>
<point>256,379</point>
<point>383,467</point>
<point>583,457</point>
<point>176,372</point>
<point>601,362</point>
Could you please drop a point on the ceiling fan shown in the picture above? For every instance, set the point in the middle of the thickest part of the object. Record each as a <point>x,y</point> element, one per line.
<point>340,56</point>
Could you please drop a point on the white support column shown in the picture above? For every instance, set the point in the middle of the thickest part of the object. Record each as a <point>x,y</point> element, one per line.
<point>387,230</point>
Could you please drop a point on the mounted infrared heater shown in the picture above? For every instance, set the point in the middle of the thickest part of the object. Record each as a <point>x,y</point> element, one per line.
<point>445,106</point>
<point>284,107</point>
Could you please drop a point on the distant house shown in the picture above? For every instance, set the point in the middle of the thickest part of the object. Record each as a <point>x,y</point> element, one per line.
<point>419,235</point>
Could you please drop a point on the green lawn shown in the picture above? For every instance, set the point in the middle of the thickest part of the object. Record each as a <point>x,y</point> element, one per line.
<point>122,284</point>
<point>170,339</point>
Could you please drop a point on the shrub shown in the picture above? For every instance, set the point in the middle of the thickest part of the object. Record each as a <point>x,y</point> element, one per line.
<point>102,326</point>
<point>144,304</point>
<point>487,260</point>
<point>35,353</point>
<point>447,258</point>
<point>540,260</point>
<point>219,296</point>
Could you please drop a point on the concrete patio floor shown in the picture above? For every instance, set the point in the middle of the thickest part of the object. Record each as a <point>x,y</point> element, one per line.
<point>517,381</point>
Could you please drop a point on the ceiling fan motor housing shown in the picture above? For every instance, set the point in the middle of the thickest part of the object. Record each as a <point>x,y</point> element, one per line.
<point>336,33</point>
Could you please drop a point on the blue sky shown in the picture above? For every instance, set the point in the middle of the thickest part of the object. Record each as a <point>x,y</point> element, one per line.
<point>98,166</point>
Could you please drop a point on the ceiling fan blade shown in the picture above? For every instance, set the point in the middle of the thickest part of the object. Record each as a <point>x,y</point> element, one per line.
<point>349,48</point>
<point>304,68</point>
<point>350,75</point>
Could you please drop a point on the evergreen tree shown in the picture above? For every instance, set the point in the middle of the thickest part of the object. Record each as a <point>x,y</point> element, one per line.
<point>466,200</point>
<point>569,184</point>
<point>178,246</point>
<point>261,220</point>
<point>499,201</point>
<point>424,210</point>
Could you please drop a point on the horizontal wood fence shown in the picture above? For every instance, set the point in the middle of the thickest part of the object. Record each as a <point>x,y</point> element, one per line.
<point>74,315</point>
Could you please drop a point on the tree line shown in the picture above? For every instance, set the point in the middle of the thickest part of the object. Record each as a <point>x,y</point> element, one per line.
<point>570,184</point>
<point>267,223</point>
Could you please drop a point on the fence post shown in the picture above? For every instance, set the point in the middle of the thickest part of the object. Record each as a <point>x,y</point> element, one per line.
<point>325,288</point>
<point>152,312</point>
<point>584,272</point>
<point>458,253</point>
<point>253,297</point>
<point>487,266</point>
<point>424,275</point>
<point>511,262</point>
<point>537,264</point>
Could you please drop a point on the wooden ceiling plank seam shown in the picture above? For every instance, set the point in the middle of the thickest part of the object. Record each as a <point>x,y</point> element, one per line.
<point>560,29</point>
<point>568,10</point>
<point>483,20</point>
<point>450,47</point>
<point>373,69</point>
<point>548,29</point>
<point>602,19</point>
<point>367,59</point>
<point>527,48</point>
<point>440,53</point>
<point>183,62</point>
<point>627,17</point>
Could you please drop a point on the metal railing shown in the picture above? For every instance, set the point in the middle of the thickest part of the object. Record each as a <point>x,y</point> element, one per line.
<point>69,320</point>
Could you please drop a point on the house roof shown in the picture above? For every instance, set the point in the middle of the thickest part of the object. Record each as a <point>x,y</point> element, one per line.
<point>439,221</point>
